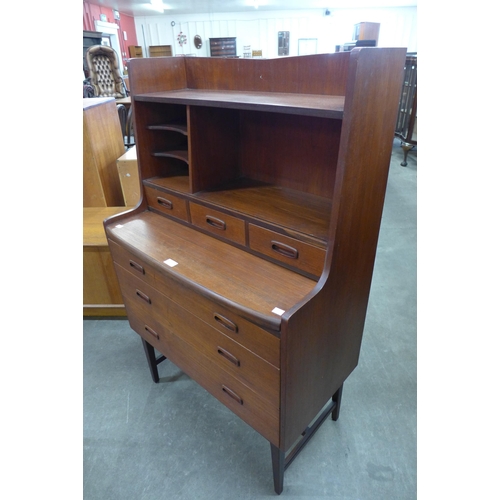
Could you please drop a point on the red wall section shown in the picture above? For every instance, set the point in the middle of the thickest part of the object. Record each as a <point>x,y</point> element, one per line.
<point>127,25</point>
<point>92,12</point>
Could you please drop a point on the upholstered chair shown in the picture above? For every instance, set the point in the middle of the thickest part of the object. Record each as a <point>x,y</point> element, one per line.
<point>105,75</point>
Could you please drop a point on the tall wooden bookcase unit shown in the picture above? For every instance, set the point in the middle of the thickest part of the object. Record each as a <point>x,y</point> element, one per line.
<point>249,259</point>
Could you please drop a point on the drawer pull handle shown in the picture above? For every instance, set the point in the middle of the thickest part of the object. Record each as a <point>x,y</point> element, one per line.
<point>143,296</point>
<point>214,222</point>
<point>285,250</point>
<point>232,394</point>
<point>137,267</point>
<point>152,332</point>
<point>226,323</point>
<point>165,203</point>
<point>228,356</point>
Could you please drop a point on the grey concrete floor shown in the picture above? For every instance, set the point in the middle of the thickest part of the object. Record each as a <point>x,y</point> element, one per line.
<point>173,440</point>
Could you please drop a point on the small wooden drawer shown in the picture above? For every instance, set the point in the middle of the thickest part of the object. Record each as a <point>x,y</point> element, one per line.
<point>218,223</point>
<point>288,250</point>
<point>167,203</point>
<point>131,263</point>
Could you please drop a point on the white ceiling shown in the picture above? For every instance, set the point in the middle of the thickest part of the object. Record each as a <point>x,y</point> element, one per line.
<point>139,8</point>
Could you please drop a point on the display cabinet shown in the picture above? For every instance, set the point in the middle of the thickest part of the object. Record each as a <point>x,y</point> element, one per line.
<point>223,47</point>
<point>249,259</point>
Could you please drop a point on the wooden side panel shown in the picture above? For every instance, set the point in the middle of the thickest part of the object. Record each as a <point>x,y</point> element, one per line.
<point>101,292</point>
<point>103,145</point>
<point>100,286</point>
<point>93,192</point>
<point>321,338</point>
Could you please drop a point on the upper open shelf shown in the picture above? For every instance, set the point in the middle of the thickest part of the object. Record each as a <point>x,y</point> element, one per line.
<point>325,106</point>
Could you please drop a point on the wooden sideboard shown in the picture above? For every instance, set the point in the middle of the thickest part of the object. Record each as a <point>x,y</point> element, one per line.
<point>248,261</point>
<point>101,291</point>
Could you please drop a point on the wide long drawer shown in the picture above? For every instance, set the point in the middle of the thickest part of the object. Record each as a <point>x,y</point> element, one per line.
<point>254,410</point>
<point>131,262</point>
<point>252,337</point>
<point>148,319</point>
<point>144,300</point>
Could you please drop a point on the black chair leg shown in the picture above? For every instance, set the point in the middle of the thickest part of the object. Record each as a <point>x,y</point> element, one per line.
<point>337,398</point>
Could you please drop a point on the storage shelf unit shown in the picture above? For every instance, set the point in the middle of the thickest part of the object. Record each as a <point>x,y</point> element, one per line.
<point>135,51</point>
<point>249,259</point>
<point>223,47</point>
<point>160,50</point>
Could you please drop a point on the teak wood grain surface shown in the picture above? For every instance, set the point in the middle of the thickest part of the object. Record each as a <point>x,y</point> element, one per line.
<point>213,267</point>
<point>102,146</point>
<point>101,291</point>
<point>279,168</point>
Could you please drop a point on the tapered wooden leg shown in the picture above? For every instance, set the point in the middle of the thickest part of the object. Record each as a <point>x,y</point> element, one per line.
<point>152,363</point>
<point>278,458</point>
<point>337,398</point>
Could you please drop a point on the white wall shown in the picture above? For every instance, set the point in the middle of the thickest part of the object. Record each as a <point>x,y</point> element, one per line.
<point>398,28</point>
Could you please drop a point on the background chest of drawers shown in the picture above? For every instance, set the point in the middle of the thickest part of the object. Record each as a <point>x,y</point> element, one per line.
<point>248,262</point>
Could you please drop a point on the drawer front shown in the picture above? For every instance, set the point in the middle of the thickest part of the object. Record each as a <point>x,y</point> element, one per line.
<point>218,223</point>
<point>249,335</point>
<point>155,309</point>
<point>167,203</point>
<point>131,263</point>
<point>254,410</point>
<point>288,250</point>
<point>255,339</point>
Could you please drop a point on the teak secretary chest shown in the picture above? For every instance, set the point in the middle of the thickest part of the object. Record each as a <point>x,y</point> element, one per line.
<point>249,258</point>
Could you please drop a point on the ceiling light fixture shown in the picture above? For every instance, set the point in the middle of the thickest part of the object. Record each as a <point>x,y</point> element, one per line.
<point>157,5</point>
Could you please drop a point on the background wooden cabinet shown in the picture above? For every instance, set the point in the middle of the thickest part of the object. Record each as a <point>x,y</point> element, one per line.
<point>223,47</point>
<point>160,50</point>
<point>102,146</point>
<point>366,31</point>
<point>101,292</point>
